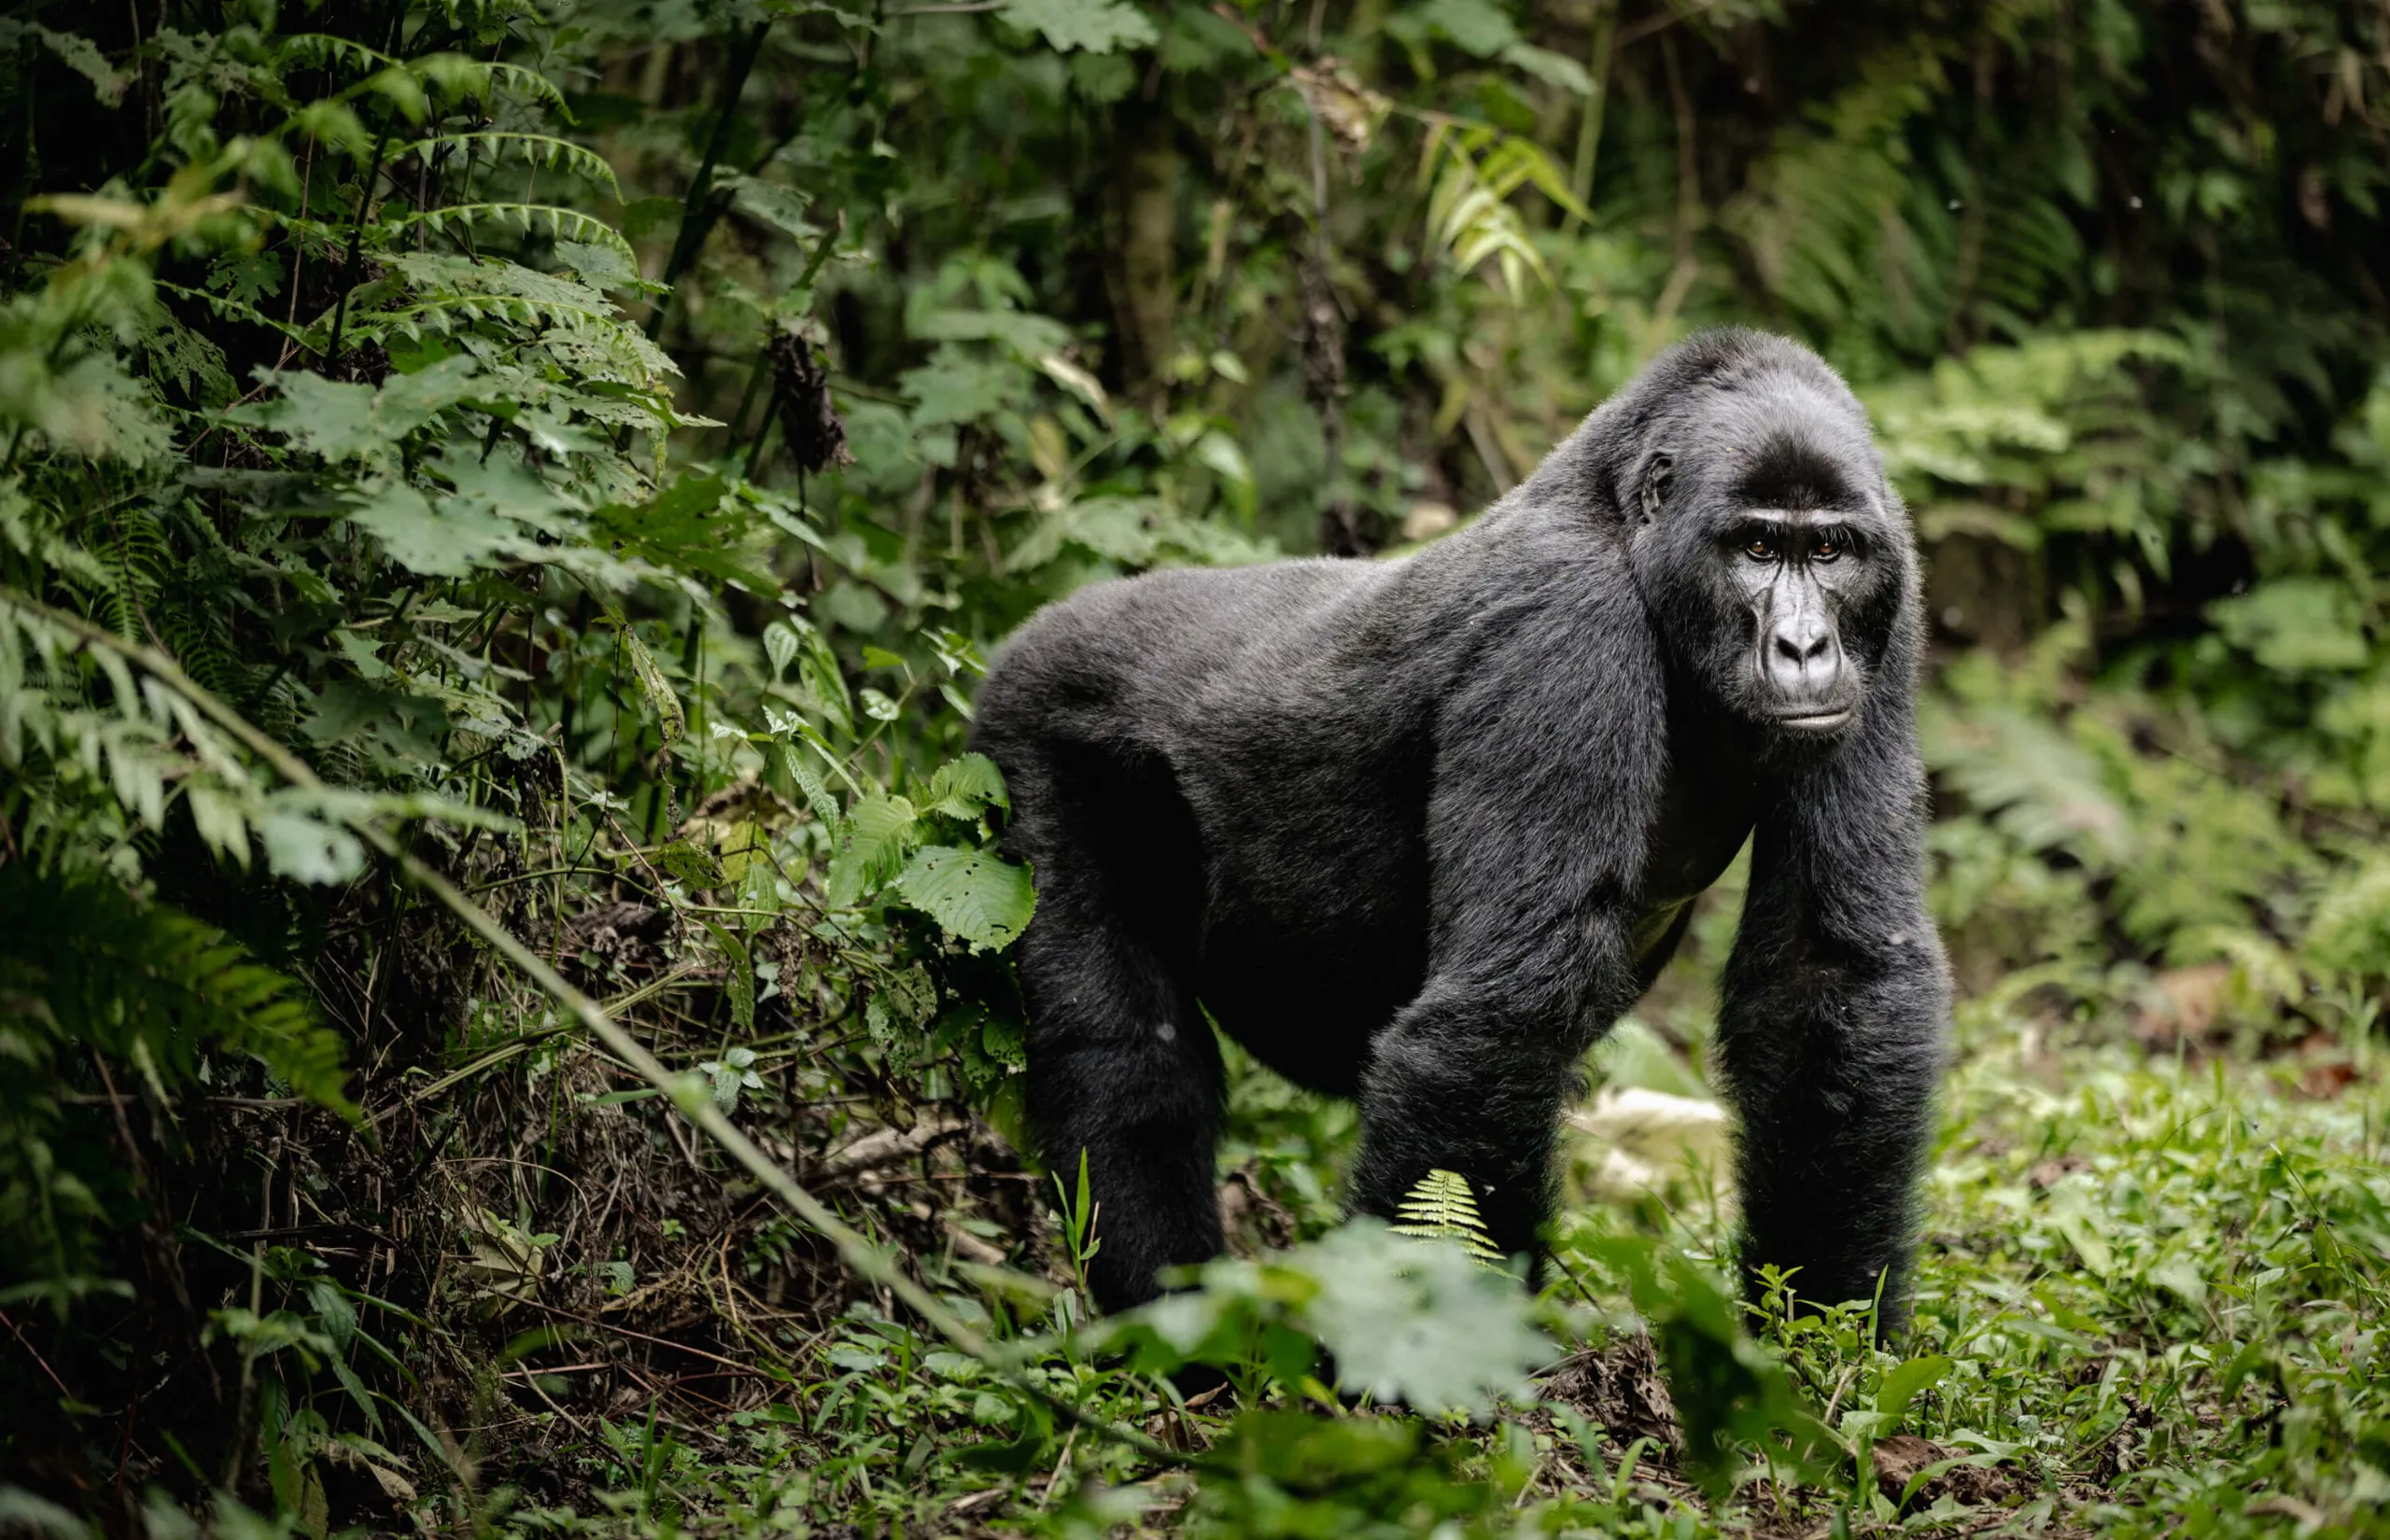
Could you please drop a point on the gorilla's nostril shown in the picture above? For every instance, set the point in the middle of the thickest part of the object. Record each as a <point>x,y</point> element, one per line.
<point>1818,647</point>
<point>1789,649</point>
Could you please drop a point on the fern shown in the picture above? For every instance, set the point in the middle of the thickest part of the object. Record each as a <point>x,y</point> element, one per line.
<point>537,150</point>
<point>1443,1207</point>
<point>87,968</point>
<point>1469,172</point>
<point>564,224</point>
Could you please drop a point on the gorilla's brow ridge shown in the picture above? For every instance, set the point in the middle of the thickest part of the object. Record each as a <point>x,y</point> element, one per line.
<point>1792,471</point>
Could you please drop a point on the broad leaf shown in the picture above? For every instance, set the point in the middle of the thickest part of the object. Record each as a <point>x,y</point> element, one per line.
<point>1099,26</point>
<point>975,895</point>
<point>965,787</point>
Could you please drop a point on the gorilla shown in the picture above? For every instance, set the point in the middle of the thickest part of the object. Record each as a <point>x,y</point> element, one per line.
<point>1418,832</point>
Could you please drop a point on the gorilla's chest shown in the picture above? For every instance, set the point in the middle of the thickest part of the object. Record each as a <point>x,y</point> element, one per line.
<point>1705,814</point>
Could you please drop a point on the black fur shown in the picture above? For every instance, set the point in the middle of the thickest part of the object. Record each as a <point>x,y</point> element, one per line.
<point>1418,832</point>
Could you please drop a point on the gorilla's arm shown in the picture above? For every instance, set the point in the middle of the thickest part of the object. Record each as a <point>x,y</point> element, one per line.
<point>1548,764</point>
<point>1830,1031</point>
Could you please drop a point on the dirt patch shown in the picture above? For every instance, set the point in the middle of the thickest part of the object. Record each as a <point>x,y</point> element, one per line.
<point>1619,1388</point>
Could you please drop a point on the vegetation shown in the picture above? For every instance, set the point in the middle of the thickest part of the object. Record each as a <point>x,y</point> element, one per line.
<point>503,990</point>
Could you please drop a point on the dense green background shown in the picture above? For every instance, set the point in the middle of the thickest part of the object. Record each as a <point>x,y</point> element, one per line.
<point>552,471</point>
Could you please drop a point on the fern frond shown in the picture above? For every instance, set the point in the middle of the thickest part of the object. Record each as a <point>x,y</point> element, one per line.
<point>325,51</point>
<point>455,72</point>
<point>1443,1207</point>
<point>234,310</point>
<point>146,981</point>
<point>564,224</point>
<point>540,150</point>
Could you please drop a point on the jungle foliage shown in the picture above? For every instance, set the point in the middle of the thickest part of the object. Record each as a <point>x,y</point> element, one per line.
<point>502,507</point>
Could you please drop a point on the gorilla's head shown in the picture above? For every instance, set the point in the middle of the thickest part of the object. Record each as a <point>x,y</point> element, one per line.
<point>1763,534</point>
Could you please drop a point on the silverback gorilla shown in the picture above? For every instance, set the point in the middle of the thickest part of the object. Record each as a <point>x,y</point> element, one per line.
<point>1418,832</point>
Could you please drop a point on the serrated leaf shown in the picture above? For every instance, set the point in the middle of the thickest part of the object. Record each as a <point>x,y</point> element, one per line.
<point>817,794</point>
<point>878,831</point>
<point>684,862</point>
<point>652,684</point>
<point>976,896</point>
<point>444,540</point>
<point>308,849</point>
<point>966,786</point>
<point>1097,26</point>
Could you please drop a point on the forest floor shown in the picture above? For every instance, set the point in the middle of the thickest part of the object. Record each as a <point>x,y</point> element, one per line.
<point>2150,1301</point>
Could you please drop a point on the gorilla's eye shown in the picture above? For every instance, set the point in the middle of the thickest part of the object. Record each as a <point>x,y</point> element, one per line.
<point>1828,546</point>
<point>1761,548</point>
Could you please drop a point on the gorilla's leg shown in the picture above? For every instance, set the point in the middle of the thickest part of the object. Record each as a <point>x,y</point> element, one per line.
<point>1121,1061</point>
<point>1473,1075</point>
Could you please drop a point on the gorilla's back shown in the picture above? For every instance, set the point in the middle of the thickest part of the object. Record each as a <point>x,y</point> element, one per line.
<point>1269,773</point>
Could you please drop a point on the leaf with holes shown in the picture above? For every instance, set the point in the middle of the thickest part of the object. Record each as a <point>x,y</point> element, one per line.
<point>972,895</point>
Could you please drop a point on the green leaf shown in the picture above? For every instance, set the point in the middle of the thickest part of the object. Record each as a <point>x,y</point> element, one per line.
<point>974,895</point>
<point>1552,69</point>
<point>738,983</point>
<point>305,849</point>
<point>344,422</point>
<point>1474,26</point>
<point>964,787</point>
<point>1099,26</point>
<point>879,830</point>
<point>817,794</point>
<point>448,539</point>
<point>684,862</point>
<point>652,684</point>
<point>1905,1381</point>
<point>81,55</point>
<point>1423,1323</point>
<point>781,644</point>
<point>956,389</point>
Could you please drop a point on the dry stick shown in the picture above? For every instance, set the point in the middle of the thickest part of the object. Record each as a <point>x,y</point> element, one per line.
<point>689,1093</point>
<point>35,1354</point>
<point>1682,275</point>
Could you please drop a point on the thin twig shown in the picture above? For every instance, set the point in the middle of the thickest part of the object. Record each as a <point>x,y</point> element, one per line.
<point>356,241</point>
<point>699,210</point>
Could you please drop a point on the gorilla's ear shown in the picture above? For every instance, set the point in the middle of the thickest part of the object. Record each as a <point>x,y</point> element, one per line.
<point>1657,473</point>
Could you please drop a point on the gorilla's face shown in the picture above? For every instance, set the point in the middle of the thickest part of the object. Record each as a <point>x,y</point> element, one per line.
<point>1773,554</point>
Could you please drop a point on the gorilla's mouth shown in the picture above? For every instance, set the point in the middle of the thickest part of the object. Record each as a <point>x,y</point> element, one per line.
<point>1808,719</point>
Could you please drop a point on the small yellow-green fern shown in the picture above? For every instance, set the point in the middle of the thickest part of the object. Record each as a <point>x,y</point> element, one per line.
<point>1443,1207</point>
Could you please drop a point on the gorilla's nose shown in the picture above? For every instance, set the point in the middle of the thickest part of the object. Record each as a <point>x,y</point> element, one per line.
<point>1802,658</point>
